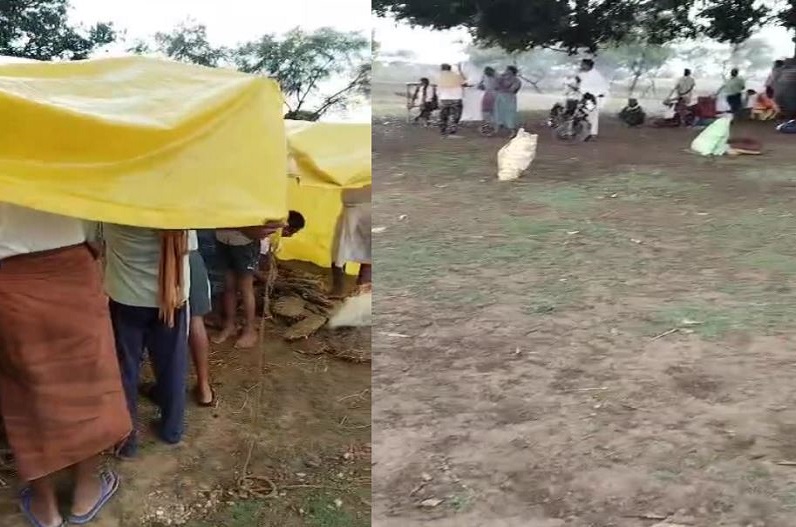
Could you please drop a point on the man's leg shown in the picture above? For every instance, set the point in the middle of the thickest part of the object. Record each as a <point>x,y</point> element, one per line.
<point>444,116</point>
<point>456,117</point>
<point>248,337</point>
<point>365,274</point>
<point>130,327</point>
<point>87,486</point>
<point>338,279</point>
<point>200,353</point>
<point>230,308</point>
<point>168,350</point>
<point>43,502</point>
<point>595,121</point>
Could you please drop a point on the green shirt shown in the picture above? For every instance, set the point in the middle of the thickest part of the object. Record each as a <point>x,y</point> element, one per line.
<point>734,86</point>
<point>132,263</point>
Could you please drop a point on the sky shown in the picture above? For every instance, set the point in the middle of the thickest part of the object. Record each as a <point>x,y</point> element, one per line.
<point>229,22</point>
<point>435,47</point>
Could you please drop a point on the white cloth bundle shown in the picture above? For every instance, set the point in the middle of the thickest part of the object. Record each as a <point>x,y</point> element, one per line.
<point>514,158</point>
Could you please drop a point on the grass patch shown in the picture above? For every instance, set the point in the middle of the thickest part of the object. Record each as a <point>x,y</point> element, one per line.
<point>461,503</point>
<point>769,175</point>
<point>768,260</point>
<point>756,315</point>
<point>637,185</point>
<point>240,514</point>
<point>561,198</point>
<point>552,296</point>
<point>709,322</point>
<point>322,512</point>
<point>752,231</point>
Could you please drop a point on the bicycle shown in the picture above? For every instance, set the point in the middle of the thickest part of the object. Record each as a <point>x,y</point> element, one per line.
<point>570,121</point>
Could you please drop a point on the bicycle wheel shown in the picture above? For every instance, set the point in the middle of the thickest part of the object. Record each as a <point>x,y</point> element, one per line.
<point>571,131</point>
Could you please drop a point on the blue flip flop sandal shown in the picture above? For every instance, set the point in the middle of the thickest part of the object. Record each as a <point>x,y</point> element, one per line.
<point>25,498</point>
<point>109,484</point>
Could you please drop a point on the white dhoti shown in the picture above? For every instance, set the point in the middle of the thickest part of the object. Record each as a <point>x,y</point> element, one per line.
<point>592,82</point>
<point>594,118</point>
<point>353,235</point>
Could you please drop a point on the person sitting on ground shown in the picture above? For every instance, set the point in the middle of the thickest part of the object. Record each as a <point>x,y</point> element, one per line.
<point>633,114</point>
<point>239,256</point>
<point>61,396</point>
<point>748,103</point>
<point>764,108</point>
<point>424,98</point>
<point>295,223</point>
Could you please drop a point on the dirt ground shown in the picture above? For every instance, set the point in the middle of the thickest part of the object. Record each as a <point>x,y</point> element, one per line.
<point>310,437</point>
<point>607,342</point>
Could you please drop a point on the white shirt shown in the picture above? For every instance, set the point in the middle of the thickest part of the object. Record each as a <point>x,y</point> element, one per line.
<point>232,237</point>
<point>593,82</point>
<point>265,246</point>
<point>24,231</point>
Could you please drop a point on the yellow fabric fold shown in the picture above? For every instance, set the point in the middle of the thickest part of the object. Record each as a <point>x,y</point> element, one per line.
<point>144,142</point>
<point>334,155</point>
<point>325,159</point>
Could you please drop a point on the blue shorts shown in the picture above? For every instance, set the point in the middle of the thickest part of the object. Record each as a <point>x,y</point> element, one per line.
<point>209,252</point>
<point>240,259</point>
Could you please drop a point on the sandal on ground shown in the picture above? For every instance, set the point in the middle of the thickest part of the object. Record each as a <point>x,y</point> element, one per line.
<point>109,484</point>
<point>25,497</point>
<point>197,395</point>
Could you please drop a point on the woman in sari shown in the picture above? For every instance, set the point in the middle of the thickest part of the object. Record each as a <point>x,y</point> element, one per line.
<point>506,100</point>
<point>489,85</point>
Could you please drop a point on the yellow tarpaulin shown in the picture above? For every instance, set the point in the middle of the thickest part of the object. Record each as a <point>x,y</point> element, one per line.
<point>335,155</point>
<point>328,157</point>
<point>143,142</point>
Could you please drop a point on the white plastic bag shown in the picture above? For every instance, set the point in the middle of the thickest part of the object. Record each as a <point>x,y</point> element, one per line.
<point>354,313</point>
<point>516,156</point>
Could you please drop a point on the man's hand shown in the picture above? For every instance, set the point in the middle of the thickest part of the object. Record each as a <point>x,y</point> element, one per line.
<point>261,232</point>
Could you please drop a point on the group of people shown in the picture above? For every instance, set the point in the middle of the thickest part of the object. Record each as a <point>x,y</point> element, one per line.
<point>498,102</point>
<point>74,335</point>
<point>738,100</point>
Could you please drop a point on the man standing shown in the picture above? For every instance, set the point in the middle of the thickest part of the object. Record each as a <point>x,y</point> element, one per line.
<point>773,77</point>
<point>450,90</point>
<point>136,288</point>
<point>684,89</point>
<point>353,238</point>
<point>733,90</point>
<point>61,396</point>
<point>594,84</point>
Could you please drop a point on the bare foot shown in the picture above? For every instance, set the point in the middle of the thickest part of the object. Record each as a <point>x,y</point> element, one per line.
<point>45,514</point>
<point>248,339</point>
<point>224,335</point>
<point>86,496</point>
<point>204,394</point>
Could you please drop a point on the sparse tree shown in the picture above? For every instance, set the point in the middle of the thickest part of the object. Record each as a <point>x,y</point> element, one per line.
<point>40,30</point>
<point>301,62</point>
